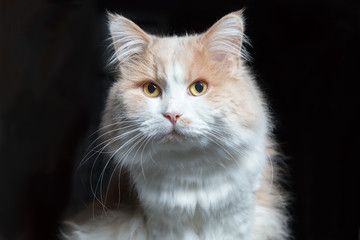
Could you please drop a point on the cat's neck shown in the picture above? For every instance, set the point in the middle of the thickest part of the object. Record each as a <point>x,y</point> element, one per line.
<point>190,180</point>
<point>188,199</point>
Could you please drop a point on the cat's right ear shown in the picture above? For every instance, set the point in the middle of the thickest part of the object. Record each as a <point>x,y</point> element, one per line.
<point>128,39</point>
<point>225,38</point>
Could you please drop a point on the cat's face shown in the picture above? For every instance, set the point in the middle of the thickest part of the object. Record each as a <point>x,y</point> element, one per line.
<point>182,93</point>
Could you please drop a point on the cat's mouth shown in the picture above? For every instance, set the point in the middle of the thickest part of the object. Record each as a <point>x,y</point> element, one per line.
<point>176,133</point>
<point>174,136</point>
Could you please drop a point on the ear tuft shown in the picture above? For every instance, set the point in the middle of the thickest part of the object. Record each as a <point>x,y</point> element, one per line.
<point>225,38</point>
<point>128,39</point>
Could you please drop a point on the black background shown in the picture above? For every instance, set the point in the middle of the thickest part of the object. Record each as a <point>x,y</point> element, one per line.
<point>53,85</point>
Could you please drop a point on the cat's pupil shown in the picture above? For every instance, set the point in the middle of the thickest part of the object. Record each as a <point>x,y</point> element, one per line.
<point>151,88</point>
<point>199,86</point>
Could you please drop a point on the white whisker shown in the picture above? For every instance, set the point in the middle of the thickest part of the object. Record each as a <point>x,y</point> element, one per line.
<point>108,141</point>
<point>99,182</point>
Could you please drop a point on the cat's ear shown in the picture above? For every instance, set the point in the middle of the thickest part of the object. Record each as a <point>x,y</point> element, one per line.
<point>128,39</point>
<point>225,38</point>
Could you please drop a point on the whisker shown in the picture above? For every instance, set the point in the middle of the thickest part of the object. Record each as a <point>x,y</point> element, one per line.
<point>92,169</point>
<point>110,125</point>
<point>141,156</point>
<point>108,141</point>
<point>222,147</point>
<point>152,145</point>
<point>110,179</point>
<point>125,156</point>
<point>99,182</point>
<point>103,127</point>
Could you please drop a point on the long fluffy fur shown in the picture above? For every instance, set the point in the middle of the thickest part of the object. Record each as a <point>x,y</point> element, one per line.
<point>209,176</point>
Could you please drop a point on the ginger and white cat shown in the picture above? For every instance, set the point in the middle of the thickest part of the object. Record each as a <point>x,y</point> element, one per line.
<point>187,121</point>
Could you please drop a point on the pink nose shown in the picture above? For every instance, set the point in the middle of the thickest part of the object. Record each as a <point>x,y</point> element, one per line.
<point>173,117</point>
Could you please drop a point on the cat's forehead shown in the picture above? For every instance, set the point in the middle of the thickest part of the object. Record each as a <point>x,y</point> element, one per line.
<point>165,48</point>
<point>172,57</point>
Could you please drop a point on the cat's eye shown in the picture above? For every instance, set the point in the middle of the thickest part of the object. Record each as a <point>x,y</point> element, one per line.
<point>198,88</point>
<point>151,89</point>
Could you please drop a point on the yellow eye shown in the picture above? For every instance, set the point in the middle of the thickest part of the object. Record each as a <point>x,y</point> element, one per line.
<point>151,89</point>
<point>198,88</point>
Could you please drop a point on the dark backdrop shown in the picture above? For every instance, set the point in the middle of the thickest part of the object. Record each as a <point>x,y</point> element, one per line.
<point>53,85</point>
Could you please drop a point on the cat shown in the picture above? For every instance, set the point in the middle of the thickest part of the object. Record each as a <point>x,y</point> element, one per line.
<point>188,122</point>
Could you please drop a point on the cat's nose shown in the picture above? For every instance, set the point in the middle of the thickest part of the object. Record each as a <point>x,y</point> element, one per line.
<point>173,117</point>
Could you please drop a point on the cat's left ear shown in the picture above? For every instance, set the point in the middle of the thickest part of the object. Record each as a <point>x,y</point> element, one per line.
<point>225,38</point>
<point>128,39</point>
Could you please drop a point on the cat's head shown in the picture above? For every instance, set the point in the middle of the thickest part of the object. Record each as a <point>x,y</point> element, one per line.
<point>182,93</point>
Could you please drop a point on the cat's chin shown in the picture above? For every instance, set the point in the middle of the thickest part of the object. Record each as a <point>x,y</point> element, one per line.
<point>174,137</point>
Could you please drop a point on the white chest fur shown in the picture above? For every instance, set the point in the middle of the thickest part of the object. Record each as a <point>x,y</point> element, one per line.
<point>192,195</point>
<point>200,201</point>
